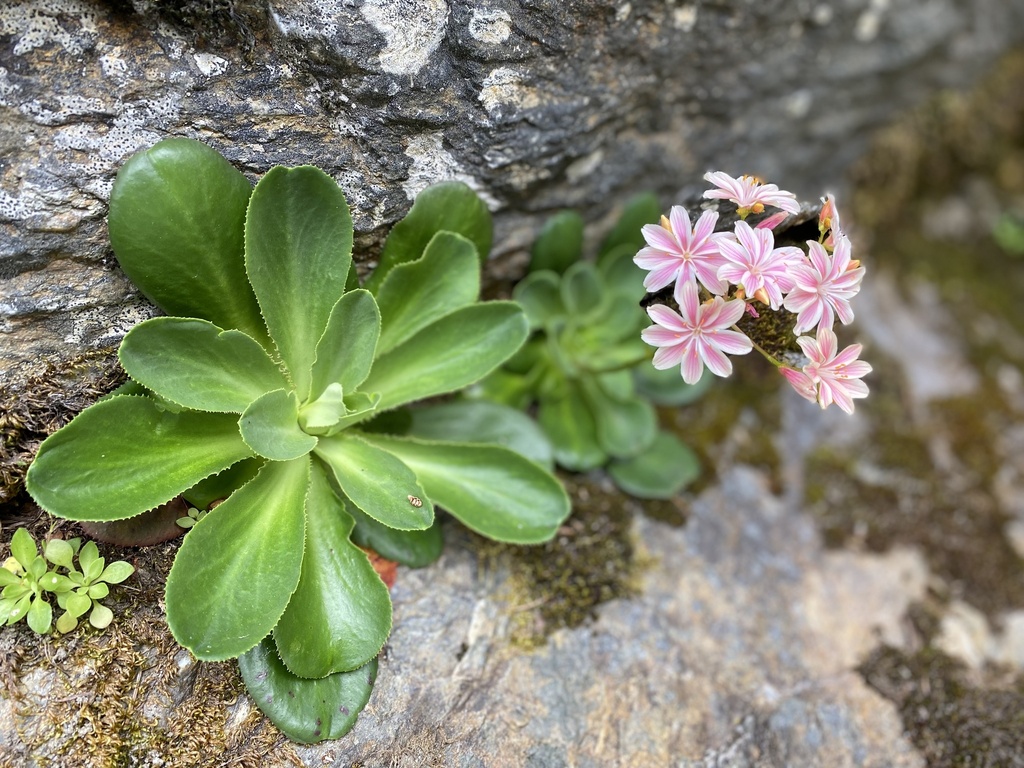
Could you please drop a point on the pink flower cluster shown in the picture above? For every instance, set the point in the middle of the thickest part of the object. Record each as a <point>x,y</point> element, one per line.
<point>731,270</point>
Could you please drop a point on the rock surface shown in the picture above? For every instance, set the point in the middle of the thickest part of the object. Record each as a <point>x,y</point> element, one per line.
<point>538,105</point>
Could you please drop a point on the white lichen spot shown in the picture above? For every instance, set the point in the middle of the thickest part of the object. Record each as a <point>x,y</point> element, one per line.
<point>685,18</point>
<point>307,20</point>
<point>490,25</point>
<point>432,163</point>
<point>13,208</point>
<point>105,326</point>
<point>412,30</point>
<point>113,66</point>
<point>7,88</point>
<point>822,14</point>
<point>798,103</point>
<point>71,24</point>
<point>584,166</point>
<point>504,87</point>
<point>623,11</point>
<point>870,22</point>
<point>209,64</point>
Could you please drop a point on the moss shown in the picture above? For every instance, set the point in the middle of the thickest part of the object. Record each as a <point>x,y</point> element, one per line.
<point>44,403</point>
<point>110,685</point>
<point>589,562</point>
<point>953,720</point>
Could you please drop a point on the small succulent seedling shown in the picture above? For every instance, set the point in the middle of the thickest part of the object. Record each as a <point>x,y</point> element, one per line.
<point>191,518</point>
<point>26,577</point>
<point>264,388</point>
<point>585,365</point>
<point>88,585</point>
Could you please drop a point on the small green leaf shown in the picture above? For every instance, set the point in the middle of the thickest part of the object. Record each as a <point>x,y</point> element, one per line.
<point>345,352</point>
<point>40,616</point>
<point>298,250</point>
<point>16,591</point>
<point>450,206</point>
<point>117,572</point>
<point>559,243</point>
<point>415,294</point>
<point>17,611</point>
<point>77,603</point>
<point>54,582</point>
<point>570,427</point>
<point>624,427</point>
<point>582,290</point>
<point>66,623</point>
<point>98,591</point>
<point>540,296</point>
<point>123,456</point>
<point>23,548</point>
<point>325,411</point>
<point>59,552</point>
<point>449,354</point>
<point>361,407</point>
<point>37,568</point>
<point>177,213</point>
<point>478,421</point>
<point>101,616</point>
<point>340,614</point>
<point>88,559</point>
<point>639,210</point>
<point>376,481</point>
<point>270,427</point>
<point>490,489</point>
<point>8,579</point>
<point>659,472</point>
<point>198,365</point>
<point>413,548</point>
<point>238,566</point>
<point>306,711</point>
<point>623,277</point>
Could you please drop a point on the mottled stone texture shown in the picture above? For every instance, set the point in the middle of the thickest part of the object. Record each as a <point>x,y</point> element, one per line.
<point>538,104</point>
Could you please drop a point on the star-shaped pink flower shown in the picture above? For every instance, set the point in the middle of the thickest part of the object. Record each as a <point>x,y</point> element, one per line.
<point>749,194</point>
<point>676,252</point>
<point>825,283</point>
<point>697,336</point>
<point>829,377</point>
<point>753,262</point>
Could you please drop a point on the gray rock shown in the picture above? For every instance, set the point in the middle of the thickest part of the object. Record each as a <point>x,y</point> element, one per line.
<point>537,105</point>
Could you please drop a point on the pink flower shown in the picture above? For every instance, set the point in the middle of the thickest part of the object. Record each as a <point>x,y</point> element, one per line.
<point>829,377</point>
<point>675,252</point>
<point>749,194</point>
<point>824,286</point>
<point>697,337</point>
<point>753,262</point>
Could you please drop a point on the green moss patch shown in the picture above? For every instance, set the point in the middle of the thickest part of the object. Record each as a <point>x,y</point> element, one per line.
<point>954,720</point>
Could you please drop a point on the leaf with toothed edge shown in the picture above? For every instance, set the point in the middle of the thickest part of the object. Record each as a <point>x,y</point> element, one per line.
<point>123,456</point>
<point>298,251</point>
<point>340,614</point>
<point>306,711</point>
<point>238,567</point>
